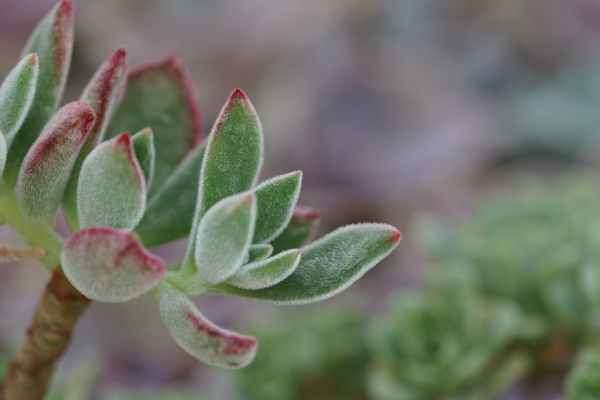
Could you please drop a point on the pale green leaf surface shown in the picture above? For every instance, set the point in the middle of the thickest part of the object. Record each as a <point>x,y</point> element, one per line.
<point>232,160</point>
<point>143,147</point>
<point>329,265</point>
<point>275,199</point>
<point>170,210</point>
<point>52,41</point>
<point>16,95</point>
<point>109,265</point>
<point>46,168</point>
<point>201,338</point>
<point>298,232</point>
<point>224,237</point>
<point>161,96</point>
<point>2,153</point>
<point>258,252</point>
<point>103,93</point>
<point>111,190</point>
<point>264,273</point>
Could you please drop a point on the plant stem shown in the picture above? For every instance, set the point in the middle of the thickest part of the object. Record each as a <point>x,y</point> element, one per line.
<point>34,234</point>
<point>46,339</point>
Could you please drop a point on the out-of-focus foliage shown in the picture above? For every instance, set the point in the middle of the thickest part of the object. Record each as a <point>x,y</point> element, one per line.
<point>582,382</point>
<point>310,355</point>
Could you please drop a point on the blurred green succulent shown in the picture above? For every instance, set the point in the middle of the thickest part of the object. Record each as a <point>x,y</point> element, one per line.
<point>446,342</point>
<point>315,354</point>
<point>583,382</point>
<point>538,246</point>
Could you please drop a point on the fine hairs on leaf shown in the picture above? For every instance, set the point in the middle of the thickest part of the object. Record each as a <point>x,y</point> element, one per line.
<point>46,168</point>
<point>110,265</point>
<point>201,338</point>
<point>52,41</point>
<point>111,190</point>
<point>16,95</point>
<point>224,237</point>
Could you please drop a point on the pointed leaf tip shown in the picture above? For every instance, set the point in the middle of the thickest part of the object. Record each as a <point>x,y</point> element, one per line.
<point>201,338</point>
<point>111,190</point>
<point>109,265</point>
<point>46,168</point>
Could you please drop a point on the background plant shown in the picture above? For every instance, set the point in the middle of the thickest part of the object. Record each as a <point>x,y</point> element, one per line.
<point>122,193</point>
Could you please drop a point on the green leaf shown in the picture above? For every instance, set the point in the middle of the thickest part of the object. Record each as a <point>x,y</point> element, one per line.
<point>48,164</point>
<point>2,153</point>
<point>258,252</point>
<point>199,337</point>
<point>103,93</point>
<point>300,229</point>
<point>52,41</point>
<point>143,146</point>
<point>170,210</point>
<point>161,96</point>
<point>16,95</point>
<point>109,265</point>
<point>224,237</point>
<point>275,199</point>
<point>265,273</point>
<point>111,190</point>
<point>329,265</point>
<point>232,160</point>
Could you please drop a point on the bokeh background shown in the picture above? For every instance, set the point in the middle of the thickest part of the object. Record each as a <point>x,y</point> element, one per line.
<point>392,108</point>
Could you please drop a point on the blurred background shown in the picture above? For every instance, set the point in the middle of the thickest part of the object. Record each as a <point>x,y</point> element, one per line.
<point>393,109</point>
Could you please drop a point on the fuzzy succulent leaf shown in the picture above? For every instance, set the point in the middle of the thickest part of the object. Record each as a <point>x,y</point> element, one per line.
<point>103,93</point>
<point>2,153</point>
<point>275,199</point>
<point>161,96</point>
<point>143,147</point>
<point>265,273</point>
<point>16,95</point>
<point>329,265</point>
<point>109,265</point>
<point>201,338</point>
<point>224,237</point>
<point>233,153</point>
<point>258,252</point>
<point>46,168</point>
<point>170,210</point>
<point>52,41</point>
<point>232,159</point>
<point>111,190</point>
<point>300,229</point>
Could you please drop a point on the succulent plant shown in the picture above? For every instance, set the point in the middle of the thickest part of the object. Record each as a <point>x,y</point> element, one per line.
<point>446,343</point>
<point>123,193</point>
<point>582,383</point>
<point>537,246</point>
<point>328,358</point>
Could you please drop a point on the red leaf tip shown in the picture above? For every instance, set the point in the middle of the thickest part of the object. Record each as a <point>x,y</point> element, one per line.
<point>249,197</point>
<point>238,93</point>
<point>306,213</point>
<point>396,236</point>
<point>124,139</point>
<point>66,6</point>
<point>32,59</point>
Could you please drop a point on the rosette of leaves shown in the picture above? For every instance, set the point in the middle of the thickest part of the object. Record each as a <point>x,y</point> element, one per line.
<point>123,193</point>
<point>446,343</point>
<point>537,246</point>
<point>328,358</point>
<point>582,383</point>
